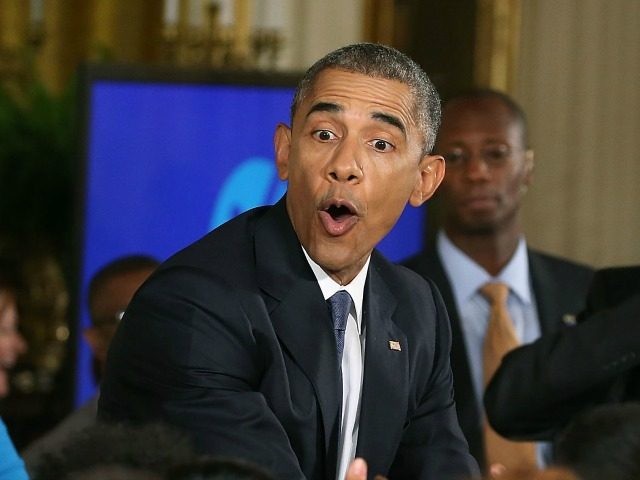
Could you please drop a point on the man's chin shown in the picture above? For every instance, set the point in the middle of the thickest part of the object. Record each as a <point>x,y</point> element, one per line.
<point>478,226</point>
<point>340,263</point>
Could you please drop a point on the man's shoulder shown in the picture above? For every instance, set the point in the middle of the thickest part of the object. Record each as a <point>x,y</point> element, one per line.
<point>402,280</point>
<point>423,261</point>
<point>559,265</point>
<point>401,271</point>
<point>621,275</point>
<point>613,285</point>
<point>230,242</point>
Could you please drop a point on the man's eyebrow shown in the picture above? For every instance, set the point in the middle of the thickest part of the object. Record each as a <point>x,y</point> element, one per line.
<point>391,120</point>
<point>334,108</point>
<point>324,107</point>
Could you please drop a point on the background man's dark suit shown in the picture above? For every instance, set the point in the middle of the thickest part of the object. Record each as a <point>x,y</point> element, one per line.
<point>231,340</point>
<point>541,386</point>
<point>559,288</point>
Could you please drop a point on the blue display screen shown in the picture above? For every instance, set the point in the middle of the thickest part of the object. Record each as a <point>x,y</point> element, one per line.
<point>165,162</point>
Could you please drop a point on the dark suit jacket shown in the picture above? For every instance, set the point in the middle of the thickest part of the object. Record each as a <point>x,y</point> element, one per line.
<point>541,386</point>
<point>231,340</point>
<point>559,287</point>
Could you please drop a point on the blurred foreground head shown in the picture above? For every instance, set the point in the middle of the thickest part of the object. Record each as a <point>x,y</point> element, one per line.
<point>117,452</point>
<point>602,443</point>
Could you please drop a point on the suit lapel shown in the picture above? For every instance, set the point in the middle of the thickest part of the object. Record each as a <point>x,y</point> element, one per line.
<point>385,387</point>
<point>299,315</point>
<point>548,295</point>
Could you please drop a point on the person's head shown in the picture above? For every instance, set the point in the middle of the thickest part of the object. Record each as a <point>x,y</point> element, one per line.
<point>602,442</point>
<point>116,452</point>
<point>214,468</point>
<point>549,473</point>
<point>483,137</point>
<point>110,291</point>
<point>358,150</point>
<point>12,343</point>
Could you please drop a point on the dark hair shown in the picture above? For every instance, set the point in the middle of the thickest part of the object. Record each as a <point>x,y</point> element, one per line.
<point>218,468</point>
<point>9,275</point>
<point>515,110</point>
<point>152,448</point>
<point>381,61</point>
<point>119,266</point>
<point>602,443</point>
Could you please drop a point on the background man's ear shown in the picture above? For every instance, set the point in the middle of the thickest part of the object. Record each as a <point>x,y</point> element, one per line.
<point>529,161</point>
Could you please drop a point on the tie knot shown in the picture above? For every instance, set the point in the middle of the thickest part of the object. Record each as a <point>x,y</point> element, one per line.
<point>495,292</point>
<point>340,304</point>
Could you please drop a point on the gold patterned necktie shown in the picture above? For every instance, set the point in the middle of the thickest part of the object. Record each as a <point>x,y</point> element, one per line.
<point>499,339</point>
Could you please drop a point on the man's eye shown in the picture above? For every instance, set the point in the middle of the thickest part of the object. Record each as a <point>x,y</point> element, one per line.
<point>324,135</point>
<point>454,158</point>
<point>496,154</point>
<point>382,145</point>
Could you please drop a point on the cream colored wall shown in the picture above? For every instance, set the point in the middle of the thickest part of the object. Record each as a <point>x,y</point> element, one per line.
<point>579,81</point>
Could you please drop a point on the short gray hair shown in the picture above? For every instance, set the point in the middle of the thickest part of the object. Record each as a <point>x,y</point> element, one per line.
<point>381,61</point>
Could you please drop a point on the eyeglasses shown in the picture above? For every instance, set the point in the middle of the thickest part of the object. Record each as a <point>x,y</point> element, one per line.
<point>108,320</point>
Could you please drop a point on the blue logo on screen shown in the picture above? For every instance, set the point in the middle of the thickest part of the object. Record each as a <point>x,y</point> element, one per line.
<point>253,183</point>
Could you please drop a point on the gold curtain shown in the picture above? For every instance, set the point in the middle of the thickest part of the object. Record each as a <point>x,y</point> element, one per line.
<point>497,43</point>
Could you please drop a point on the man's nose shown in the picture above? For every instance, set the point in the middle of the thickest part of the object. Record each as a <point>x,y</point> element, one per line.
<point>476,167</point>
<point>346,164</point>
<point>20,343</point>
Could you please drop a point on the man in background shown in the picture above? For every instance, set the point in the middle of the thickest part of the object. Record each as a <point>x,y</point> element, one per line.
<point>483,138</point>
<point>110,291</point>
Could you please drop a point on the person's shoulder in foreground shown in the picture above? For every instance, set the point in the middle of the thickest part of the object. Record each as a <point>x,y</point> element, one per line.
<point>565,372</point>
<point>232,339</point>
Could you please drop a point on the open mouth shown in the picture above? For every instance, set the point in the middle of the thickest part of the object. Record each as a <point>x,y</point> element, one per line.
<point>480,202</point>
<point>338,218</point>
<point>339,212</point>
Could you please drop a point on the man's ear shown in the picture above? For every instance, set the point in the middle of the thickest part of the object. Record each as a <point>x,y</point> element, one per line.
<point>282,144</point>
<point>431,175</point>
<point>529,165</point>
<point>93,338</point>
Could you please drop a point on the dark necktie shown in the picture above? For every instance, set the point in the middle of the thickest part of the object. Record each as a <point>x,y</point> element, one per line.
<point>340,305</point>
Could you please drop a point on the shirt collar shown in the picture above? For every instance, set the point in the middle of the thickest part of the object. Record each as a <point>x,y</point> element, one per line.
<point>466,276</point>
<point>329,286</point>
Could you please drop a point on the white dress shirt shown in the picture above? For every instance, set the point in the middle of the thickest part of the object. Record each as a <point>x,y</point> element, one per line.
<point>352,361</point>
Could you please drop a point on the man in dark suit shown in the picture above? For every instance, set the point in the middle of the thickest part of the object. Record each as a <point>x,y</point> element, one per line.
<point>483,138</point>
<point>540,387</point>
<point>232,339</point>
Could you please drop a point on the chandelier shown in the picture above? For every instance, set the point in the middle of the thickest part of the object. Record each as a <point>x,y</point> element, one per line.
<point>223,33</point>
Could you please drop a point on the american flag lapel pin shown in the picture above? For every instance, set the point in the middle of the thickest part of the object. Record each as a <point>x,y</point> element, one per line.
<point>394,345</point>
